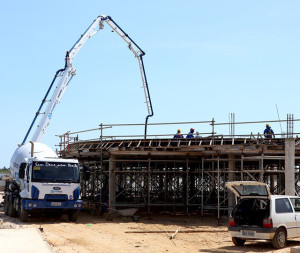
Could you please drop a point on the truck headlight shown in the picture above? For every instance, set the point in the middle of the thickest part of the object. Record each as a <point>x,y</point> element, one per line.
<point>79,205</point>
<point>34,205</point>
<point>30,205</point>
<point>75,205</point>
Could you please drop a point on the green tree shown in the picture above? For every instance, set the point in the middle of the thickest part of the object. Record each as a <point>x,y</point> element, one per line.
<point>4,170</point>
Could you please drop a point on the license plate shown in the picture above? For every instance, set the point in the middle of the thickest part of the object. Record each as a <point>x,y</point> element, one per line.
<point>55,203</point>
<point>248,233</point>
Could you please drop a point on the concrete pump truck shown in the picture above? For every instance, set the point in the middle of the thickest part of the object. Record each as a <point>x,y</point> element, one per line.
<point>41,181</point>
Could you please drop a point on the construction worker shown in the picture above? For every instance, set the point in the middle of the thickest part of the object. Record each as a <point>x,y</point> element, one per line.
<point>268,133</point>
<point>191,133</point>
<point>198,135</point>
<point>178,135</point>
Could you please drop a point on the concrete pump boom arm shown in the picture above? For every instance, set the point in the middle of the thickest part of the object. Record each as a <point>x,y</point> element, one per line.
<point>69,71</point>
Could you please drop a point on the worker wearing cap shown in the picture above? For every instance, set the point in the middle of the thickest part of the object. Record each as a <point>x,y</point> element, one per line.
<point>178,135</point>
<point>191,133</point>
<point>269,133</point>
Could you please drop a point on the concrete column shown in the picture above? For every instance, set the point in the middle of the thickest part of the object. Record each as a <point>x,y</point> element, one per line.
<point>231,197</point>
<point>289,166</point>
<point>112,183</point>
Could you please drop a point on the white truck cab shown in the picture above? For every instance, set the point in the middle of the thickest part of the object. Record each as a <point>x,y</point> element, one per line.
<point>260,215</point>
<point>42,182</point>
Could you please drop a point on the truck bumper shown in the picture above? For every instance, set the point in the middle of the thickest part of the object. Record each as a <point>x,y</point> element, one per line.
<point>33,204</point>
<point>252,233</point>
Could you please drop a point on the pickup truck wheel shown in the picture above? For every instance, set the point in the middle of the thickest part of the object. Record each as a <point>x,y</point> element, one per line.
<point>238,241</point>
<point>279,239</point>
<point>23,215</point>
<point>72,216</point>
<point>6,205</point>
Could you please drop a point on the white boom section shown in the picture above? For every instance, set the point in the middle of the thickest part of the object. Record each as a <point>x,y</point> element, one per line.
<point>89,33</point>
<point>69,71</point>
<point>55,99</point>
<point>137,52</point>
<point>65,79</point>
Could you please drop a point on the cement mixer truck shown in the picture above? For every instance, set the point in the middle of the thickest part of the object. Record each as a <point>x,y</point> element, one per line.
<point>43,182</point>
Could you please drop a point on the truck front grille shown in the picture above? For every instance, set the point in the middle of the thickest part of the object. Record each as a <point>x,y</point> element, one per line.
<point>56,197</point>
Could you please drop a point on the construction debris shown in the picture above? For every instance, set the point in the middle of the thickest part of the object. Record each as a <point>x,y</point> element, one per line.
<point>173,235</point>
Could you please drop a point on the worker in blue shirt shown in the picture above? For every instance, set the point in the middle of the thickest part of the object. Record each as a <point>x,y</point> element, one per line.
<point>268,133</point>
<point>178,135</point>
<point>191,133</point>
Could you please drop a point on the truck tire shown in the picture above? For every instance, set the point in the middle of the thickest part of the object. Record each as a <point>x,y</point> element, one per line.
<point>12,212</point>
<point>6,205</point>
<point>238,241</point>
<point>279,239</point>
<point>72,216</point>
<point>23,215</point>
<point>135,218</point>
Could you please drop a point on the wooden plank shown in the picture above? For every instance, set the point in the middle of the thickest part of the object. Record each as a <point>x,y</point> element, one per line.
<point>129,144</point>
<point>175,233</point>
<point>110,145</point>
<point>159,144</point>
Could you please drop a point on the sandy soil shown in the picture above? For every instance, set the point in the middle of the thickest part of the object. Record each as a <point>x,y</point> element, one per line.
<point>95,234</point>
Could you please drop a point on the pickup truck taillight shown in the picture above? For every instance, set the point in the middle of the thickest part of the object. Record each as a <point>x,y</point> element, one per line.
<point>267,223</point>
<point>231,222</point>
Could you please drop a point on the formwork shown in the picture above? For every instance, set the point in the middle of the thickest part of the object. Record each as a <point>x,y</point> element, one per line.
<point>180,175</point>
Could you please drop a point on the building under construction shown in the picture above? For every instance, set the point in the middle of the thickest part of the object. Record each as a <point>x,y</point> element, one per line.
<point>164,173</point>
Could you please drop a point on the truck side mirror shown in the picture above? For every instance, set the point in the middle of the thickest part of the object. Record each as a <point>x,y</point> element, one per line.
<point>22,170</point>
<point>86,172</point>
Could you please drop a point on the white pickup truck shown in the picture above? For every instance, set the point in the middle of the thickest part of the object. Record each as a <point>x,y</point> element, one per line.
<point>259,215</point>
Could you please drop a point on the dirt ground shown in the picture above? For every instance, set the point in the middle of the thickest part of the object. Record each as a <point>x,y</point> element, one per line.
<point>97,234</point>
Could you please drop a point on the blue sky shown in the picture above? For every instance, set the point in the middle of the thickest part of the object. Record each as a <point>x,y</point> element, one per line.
<point>204,60</point>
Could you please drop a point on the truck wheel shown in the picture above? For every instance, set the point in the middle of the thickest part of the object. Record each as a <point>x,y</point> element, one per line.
<point>238,241</point>
<point>12,212</point>
<point>279,239</point>
<point>135,218</point>
<point>23,215</point>
<point>72,216</point>
<point>6,205</point>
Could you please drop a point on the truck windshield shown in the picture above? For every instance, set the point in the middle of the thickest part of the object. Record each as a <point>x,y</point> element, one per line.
<point>55,172</point>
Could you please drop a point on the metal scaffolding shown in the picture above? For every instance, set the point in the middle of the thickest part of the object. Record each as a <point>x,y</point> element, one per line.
<point>177,174</point>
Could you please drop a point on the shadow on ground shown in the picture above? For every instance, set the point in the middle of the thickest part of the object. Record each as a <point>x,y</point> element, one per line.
<point>184,221</point>
<point>252,246</point>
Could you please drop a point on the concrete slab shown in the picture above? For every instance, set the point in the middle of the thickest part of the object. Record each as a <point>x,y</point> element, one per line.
<point>25,240</point>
